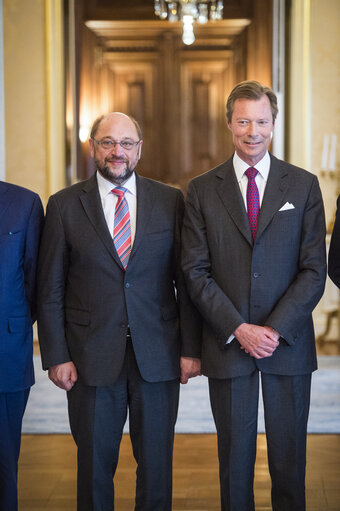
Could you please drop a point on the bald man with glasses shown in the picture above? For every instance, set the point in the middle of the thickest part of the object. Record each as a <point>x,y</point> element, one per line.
<point>114,316</point>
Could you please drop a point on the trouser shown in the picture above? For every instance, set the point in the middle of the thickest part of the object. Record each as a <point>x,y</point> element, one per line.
<point>97,416</point>
<point>234,405</point>
<point>12,408</point>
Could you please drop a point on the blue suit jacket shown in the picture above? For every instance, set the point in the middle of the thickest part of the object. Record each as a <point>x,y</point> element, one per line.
<point>21,219</point>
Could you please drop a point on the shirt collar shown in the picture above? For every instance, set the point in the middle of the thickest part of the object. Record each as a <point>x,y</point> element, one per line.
<point>241,166</point>
<point>105,186</point>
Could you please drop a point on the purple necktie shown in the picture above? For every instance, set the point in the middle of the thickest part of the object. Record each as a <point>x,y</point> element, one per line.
<point>253,200</point>
<point>122,228</point>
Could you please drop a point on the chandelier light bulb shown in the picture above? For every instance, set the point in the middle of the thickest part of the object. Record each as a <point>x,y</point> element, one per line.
<point>188,30</point>
<point>202,13</point>
<point>173,12</point>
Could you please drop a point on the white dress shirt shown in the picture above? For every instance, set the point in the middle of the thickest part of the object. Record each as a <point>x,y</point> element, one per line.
<point>109,201</point>
<point>261,179</point>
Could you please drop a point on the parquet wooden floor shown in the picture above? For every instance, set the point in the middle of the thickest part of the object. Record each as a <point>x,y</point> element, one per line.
<point>47,474</point>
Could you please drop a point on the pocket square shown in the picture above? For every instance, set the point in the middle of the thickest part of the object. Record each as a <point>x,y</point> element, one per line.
<point>287,206</point>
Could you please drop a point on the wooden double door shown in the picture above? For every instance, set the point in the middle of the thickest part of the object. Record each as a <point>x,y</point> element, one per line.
<point>178,95</point>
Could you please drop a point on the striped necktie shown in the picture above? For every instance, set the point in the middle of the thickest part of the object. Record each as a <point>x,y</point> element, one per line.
<point>122,228</point>
<point>253,200</point>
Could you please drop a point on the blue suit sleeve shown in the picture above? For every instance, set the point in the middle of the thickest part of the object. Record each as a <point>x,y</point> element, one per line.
<point>34,228</point>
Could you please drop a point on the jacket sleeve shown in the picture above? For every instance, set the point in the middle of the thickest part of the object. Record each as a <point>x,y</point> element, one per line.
<point>52,274</point>
<point>33,233</point>
<point>305,291</point>
<point>215,306</point>
<point>190,319</point>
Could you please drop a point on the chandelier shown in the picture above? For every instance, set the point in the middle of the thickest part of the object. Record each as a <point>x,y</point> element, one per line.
<point>188,11</point>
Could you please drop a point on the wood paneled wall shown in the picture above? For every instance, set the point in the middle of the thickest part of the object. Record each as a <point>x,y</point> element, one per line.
<point>177,93</point>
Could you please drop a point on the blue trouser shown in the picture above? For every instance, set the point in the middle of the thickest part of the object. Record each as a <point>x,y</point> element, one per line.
<point>12,408</point>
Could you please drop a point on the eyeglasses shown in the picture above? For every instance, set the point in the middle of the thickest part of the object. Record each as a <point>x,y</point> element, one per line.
<point>108,144</point>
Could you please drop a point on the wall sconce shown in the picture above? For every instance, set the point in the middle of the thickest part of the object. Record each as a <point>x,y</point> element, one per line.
<point>84,132</point>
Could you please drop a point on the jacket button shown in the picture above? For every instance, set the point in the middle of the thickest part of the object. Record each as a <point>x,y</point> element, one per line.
<point>127,285</point>
<point>256,275</point>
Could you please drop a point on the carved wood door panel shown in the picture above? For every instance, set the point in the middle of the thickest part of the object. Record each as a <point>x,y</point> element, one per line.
<point>206,79</point>
<point>136,86</point>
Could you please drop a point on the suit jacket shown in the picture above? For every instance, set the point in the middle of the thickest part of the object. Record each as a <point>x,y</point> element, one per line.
<point>21,216</point>
<point>334,249</point>
<point>87,300</point>
<point>276,281</point>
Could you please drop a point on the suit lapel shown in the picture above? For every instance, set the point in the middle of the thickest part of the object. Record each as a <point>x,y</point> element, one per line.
<point>91,202</point>
<point>229,192</point>
<point>274,193</point>
<point>145,203</point>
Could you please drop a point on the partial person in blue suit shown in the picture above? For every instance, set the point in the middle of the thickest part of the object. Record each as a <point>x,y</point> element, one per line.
<point>21,219</point>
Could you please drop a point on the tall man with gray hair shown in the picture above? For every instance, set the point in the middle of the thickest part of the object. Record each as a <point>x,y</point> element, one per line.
<point>254,260</point>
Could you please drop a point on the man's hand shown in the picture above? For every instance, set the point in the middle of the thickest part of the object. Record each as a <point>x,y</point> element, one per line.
<point>274,332</point>
<point>190,367</point>
<point>63,375</point>
<point>258,341</point>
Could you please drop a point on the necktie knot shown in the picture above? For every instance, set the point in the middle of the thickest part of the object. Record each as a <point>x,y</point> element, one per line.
<point>119,191</point>
<point>251,173</point>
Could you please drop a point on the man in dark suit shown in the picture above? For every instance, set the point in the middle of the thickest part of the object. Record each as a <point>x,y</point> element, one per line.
<point>21,216</point>
<point>334,249</point>
<point>254,259</point>
<point>112,324</point>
